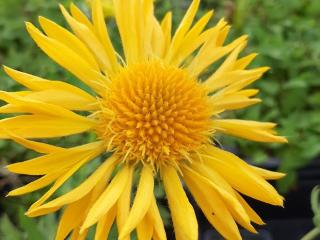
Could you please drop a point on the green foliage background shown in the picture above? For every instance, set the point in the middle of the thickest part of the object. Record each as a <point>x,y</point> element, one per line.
<point>285,34</point>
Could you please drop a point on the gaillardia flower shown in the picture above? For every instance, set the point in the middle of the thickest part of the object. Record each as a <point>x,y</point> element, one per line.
<point>157,109</point>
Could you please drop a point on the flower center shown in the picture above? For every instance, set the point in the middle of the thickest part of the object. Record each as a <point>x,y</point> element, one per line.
<point>154,113</point>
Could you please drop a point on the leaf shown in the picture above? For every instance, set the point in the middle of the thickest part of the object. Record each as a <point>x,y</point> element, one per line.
<point>7,230</point>
<point>29,226</point>
<point>315,205</point>
<point>285,183</point>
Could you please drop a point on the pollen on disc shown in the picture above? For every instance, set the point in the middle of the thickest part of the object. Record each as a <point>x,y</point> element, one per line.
<point>154,113</point>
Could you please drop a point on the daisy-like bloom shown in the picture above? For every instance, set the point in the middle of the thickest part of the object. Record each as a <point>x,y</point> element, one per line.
<point>156,110</point>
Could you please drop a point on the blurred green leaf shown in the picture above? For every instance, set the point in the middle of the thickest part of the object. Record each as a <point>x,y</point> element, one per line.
<point>7,230</point>
<point>30,226</point>
<point>315,205</point>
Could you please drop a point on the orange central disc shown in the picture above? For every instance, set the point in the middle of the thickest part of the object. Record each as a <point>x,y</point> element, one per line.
<point>159,114</point>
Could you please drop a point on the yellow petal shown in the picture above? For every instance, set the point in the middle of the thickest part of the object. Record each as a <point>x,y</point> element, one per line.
<point>248,92</point>
<point>166,26</point>
<point>123,205</point>
<point>35,146</point>
<point>90,39</point>
<point>39,126</point>
<point>71,217</point>
<point>223,35</point>
<point>57,160</point>
<point>251,130</point>
<point>108,198</point>
<point>220,200</point>
<point>76,235</point>
<point>154,215</point>
<point>183,29</point>
<point>242,63</point>
<point>32,212</point>
<point>157,41</point>
<point>104,225</point>
<point>103,173</point>
<point>205,58</point>
<point>229,62</point>
<point>36,185</point>
<point>266,174</point>
<point>78,15</point>
<point>252,214</point>
<point>232,102</point>
<point>101,31</point>
<point>68,59</point>
<point>62,35</point>
<point>141,202</point>
<point>210,52</point>
<point>242,83</point>
<point>145,229</point>
<point>183,216</point>
<point>64,99</point>
<point>226,193</point>
<point>60,93</point>
<point>240,176</point>
<point>38,107</point>
<point>127,32</point>
<point>192,41</point>
<point>215,82</point>
<point>145,18</point>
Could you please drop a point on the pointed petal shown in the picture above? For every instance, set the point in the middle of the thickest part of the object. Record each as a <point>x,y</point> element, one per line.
<point>55,92</point>
<point>104,225</point>
<point>58,183</point>
<point>166,26</point>
<point>71,217</point>
<point>103,173</point>
<point>145,229</point>
<point>108,198</point>
<point>36,185</point>
<point>41,108</point>
<point>216,82</point>
<point>68,59</point>
<point>35,146</point>
<point>78,15</point>
<point>39,126</point>
<point>268,175</point>
<point>141,202</point>
<point>183,216</point>
<point>192,41</point>
<point>204,174</point>
<point>154,214</point>
<point>251,130</point>
<point>183,29</point>
<point>242,63</point>
<point>57,160</point>
<point>200,187</point>
<point>252,214</point>
<point>231,102</point>
<point>210,52</point>
<point>90,39</point>
<point>65,37</point>
<point>101,31</point>
<point>123,205</point>
<point>240,176</point>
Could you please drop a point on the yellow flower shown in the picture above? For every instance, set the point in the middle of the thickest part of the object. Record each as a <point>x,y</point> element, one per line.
<point>157,110</point>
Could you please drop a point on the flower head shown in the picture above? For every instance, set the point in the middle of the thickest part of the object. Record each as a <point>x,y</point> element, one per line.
<point>156,110</point>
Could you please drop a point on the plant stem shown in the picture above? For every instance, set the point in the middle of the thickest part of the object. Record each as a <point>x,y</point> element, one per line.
<point>312,234</point>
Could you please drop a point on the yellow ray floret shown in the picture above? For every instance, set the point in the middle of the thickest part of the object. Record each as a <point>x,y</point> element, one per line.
<point>155,110</point>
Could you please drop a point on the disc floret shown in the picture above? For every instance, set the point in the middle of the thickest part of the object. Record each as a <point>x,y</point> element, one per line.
<point>160,114</point>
